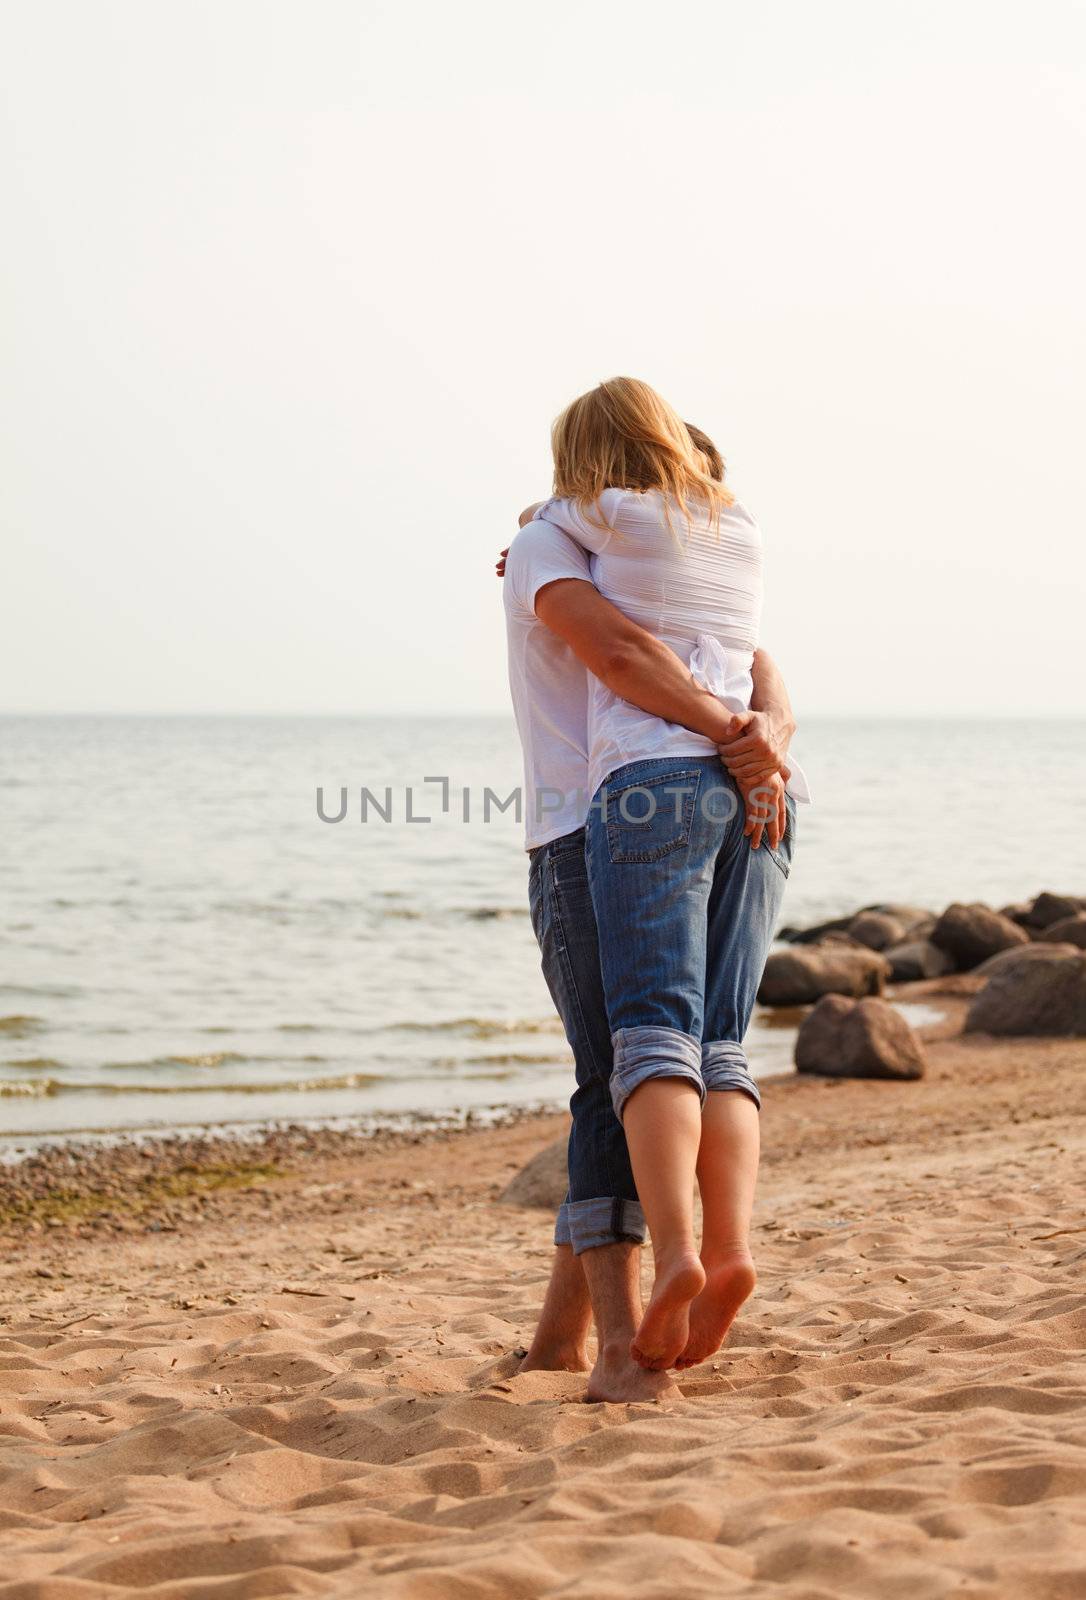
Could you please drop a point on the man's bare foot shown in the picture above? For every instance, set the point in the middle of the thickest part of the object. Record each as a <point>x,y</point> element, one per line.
<point>665,1327</point>
<point>617,1378</point>
<point>729,1280</point>
<point>556,1358</point>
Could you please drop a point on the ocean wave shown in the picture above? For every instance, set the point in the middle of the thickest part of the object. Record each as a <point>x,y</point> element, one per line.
<point>28,1088</point>
<point>513,1058</point>
<point>50,991</point>
<point>18,1027</point>
<point>212,1058</point>
<point>40,1088</point>
<point>480,1027</point>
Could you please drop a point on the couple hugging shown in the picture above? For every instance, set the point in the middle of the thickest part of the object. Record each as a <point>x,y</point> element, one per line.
<point>660,806</point>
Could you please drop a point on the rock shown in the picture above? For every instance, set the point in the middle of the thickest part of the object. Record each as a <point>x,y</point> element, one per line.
<point>916,959</point>
<point>796,977</point>
<point>542,1184</point>
<point>909,917</point>
<point>1049,908</point>
<point>1014,957</point>
<point>844,1038</point>
<point>1018,911</point>
<point>970,934</point>
<point>1043,995</point>
<point>816,932</point>
<point>876,929</point>
<point>1068,930</point>
<point>912,917</point>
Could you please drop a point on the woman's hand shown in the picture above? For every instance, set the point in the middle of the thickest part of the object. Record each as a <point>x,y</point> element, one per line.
<point>766,813</point>
<point>760,750</point>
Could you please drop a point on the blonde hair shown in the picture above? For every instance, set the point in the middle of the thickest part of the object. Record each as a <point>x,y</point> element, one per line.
<point>623,435</point>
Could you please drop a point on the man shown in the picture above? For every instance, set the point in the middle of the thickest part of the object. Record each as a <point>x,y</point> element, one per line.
<point>558,625</point>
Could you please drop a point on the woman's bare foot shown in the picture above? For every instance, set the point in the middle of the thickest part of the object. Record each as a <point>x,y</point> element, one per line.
<point>729,1280</point>
<point>617,1378</point>
<point>665,1327</point>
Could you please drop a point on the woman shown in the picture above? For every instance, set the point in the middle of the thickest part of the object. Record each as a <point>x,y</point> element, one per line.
<point>685,907</point>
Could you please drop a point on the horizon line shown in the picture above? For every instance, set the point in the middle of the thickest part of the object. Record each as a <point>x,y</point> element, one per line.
<point>941,715</point>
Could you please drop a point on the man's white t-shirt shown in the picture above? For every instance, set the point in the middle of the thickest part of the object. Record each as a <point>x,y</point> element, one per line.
<point>549,685</point>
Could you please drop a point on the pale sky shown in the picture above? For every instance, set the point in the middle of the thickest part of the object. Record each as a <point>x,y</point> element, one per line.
<point>292,291</point>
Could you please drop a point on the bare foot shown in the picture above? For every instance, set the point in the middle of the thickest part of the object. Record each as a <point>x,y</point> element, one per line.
<point>556,1358</point>
<point>665,1327</point>
<point>617,1378</point>
<point>729,1280</point>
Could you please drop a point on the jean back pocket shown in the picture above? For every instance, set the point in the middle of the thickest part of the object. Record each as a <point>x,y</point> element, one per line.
<point>648,818</point>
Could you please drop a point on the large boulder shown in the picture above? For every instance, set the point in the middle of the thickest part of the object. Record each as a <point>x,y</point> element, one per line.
<point>1049,908</point>
<point>1016,956</point>
<point>844,1038</point>
<point>796,977</point>
<point>970,934</point>
<point>541,1185</point>
<point>876,929</point>
<point>1068,930</point>
<point>1045,994</point>
<point>916,959</point>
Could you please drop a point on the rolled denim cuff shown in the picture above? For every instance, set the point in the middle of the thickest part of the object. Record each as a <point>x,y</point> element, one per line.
<point>608,1220</point>
<point>651,1052</point>
<point>561,1225</point>
<point>724,1066</point>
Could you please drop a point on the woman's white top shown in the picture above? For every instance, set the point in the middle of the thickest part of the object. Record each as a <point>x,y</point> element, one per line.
<point>695,587</point>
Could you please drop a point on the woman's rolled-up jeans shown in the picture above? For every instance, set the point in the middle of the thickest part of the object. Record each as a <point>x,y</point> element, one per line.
<point>686,911</point>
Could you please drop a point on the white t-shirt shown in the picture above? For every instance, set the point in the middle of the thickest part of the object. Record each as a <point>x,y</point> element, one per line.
<point>549,686</point>
<point>698,589</point>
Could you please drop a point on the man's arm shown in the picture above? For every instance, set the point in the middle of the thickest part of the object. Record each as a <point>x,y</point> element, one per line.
<point>632,663</point>
<point>641,669</point>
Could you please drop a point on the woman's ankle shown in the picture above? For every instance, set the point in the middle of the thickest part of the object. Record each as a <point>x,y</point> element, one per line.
<point>674,1254</point>
<point>718,1256</point>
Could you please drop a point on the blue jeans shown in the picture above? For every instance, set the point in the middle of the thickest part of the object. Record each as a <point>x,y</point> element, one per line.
<point>601,1206</point>
<point>686,912</point>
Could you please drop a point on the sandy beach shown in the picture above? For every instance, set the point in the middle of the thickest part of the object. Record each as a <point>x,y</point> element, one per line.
<point>290,1368</point>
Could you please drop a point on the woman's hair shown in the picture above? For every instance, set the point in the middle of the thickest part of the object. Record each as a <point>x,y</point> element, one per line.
<point>623,435</point>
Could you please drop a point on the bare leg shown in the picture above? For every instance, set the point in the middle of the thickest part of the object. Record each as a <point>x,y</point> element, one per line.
<point>727,1175</point>
<point>560,1340</point>
<point>662,1119</point>
<point>613,1272</point>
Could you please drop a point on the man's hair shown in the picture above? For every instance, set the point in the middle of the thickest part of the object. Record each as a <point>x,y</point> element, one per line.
<point>701,441</point>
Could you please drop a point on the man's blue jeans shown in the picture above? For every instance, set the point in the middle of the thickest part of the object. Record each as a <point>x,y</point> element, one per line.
<point>601,1206</point>
<point>686,912</point>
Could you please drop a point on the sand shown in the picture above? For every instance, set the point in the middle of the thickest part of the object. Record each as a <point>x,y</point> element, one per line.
<point>302,1381</point>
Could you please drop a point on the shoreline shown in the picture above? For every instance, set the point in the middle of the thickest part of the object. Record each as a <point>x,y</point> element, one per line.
<point>133,1182</point>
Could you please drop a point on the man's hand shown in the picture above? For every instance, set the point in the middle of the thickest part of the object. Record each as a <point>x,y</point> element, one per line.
<point>766,813</point>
